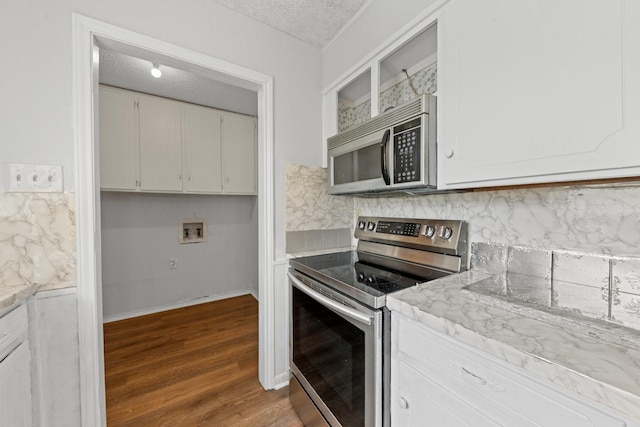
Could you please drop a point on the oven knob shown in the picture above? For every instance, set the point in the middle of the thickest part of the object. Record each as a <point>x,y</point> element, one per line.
<point>429,230</point>
<point>361,225</point>
<point>371,280</point>
<point>371,226</point>
<point>361,277</point>
<point>446,232</point>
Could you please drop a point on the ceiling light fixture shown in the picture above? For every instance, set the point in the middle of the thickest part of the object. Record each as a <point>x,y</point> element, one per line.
<point>155,71</point>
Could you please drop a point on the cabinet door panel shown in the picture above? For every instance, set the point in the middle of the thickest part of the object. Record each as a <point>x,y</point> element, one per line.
<point>238,154</point>
<point>202,150</point>
<point>534,88</point>
<point>118,140</point>
<point>160,145</point>
<point>416,400</point>
<point>15,388</point>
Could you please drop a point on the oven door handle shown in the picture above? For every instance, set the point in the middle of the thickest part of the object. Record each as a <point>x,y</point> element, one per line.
<point>328,302</point>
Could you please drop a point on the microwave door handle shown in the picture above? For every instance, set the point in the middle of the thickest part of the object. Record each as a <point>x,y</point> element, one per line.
<point>336,306</point>
<point>383,154</point>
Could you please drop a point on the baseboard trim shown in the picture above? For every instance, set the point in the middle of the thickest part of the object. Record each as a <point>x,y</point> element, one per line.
<point>281,380</point>
<point>180,304</point>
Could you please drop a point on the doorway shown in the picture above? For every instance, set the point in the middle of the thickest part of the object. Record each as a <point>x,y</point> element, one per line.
<point>163,163</point>
<point>88,36</point>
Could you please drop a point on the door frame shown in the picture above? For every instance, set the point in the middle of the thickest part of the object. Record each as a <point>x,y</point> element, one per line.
<point>88,34</point>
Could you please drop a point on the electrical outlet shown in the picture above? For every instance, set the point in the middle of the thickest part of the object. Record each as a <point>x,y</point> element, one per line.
<point>173,263</point>
<point>34,178</point>
<point>193,230</point>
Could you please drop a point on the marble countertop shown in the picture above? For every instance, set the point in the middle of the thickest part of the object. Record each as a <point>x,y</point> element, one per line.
<point>600,370</point>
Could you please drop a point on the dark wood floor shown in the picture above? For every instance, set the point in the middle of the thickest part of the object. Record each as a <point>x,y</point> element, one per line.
<point>194,366</point>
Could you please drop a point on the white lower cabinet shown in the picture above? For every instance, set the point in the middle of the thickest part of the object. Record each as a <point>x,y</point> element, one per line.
<point>418,401</point>
<point>53,333</point>
<point>436,380</point>
<point>15,370</point>
<point>39,362</point>
<point>15,388</point>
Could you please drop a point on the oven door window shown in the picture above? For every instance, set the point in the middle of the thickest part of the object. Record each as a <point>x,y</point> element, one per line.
<point>330,352</point>
<point>359,165</point>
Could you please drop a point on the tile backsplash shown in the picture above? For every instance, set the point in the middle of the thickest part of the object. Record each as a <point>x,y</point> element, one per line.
<point>425,81</point>
<point>309,206</point>
<point>37,239</point>
<point>315,219</point>
<point>593,285</point>
<point>599,218</point>
<point>591,228</point>
<point>313,240</point>
<point>350,115</point>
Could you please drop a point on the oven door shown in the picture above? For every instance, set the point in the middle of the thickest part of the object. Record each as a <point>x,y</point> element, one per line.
<point>336,353</point>
<point>361,165</point>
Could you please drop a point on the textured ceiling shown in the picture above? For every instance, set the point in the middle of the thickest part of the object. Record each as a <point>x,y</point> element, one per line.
<point>128,72</point>
<point>313,21</point>
<point>316,22</point>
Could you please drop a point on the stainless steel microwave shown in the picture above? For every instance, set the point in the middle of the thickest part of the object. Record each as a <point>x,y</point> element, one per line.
<point>393,151</point>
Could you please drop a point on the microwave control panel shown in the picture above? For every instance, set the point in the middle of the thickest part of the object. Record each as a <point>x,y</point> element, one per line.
<point>406,155</point>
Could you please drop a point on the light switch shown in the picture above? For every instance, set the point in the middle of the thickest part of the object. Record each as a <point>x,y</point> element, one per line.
<point>34,178</point>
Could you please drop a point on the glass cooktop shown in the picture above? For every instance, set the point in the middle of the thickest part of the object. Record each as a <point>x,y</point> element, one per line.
<point>346,268</point>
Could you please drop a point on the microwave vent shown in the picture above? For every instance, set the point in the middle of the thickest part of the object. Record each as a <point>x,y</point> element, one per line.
<point>385,120</point>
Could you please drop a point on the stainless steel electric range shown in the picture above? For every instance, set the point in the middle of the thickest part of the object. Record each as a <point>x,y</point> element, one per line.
<point>340,326</point>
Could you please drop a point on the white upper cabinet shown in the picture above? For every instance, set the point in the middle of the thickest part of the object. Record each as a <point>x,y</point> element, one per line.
<point>153,144</point>
<point>239,161</point>
<point>119,154</point>
<point>160,145</point>
<point>538,91</point>
<point>201,136</point>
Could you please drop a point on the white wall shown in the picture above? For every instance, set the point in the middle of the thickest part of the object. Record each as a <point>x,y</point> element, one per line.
<point>36,81</point>
<point>140,235</point>
<point>37,101</point>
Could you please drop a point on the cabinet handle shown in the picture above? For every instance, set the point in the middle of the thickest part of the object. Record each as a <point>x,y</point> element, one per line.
<point>449,154</point>
<point>474,377</point>
<point>402,403</point>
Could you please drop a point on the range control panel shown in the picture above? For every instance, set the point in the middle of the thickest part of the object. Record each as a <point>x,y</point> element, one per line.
<point>447,236</point>
<point>398,228</point>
